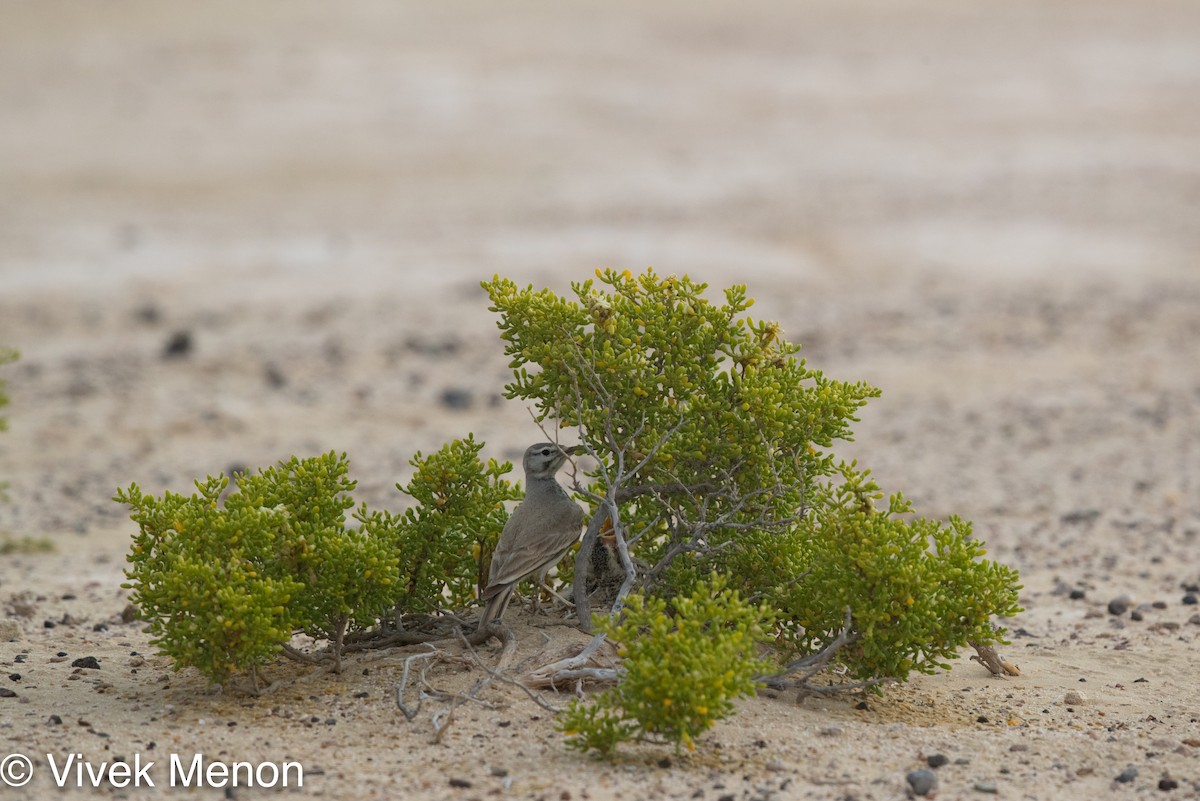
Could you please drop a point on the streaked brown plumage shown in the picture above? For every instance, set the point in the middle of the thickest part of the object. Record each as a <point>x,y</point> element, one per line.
<point>538,533</point>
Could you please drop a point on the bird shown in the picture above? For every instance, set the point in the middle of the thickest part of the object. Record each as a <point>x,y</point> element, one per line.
<point>538,533</point>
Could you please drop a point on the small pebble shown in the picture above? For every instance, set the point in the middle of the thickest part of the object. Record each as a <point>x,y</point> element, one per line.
<point>1077,595</point>
<point>1120,604</point>
<point>937,760</point>
<point>1190,599</point>
<point>463,783</point>
<point>178,345</point>
<point>830,731</point>
<point>14,676</point>
<point>986,787</point>
<point>54,720</point>
<point>499,773</point>
<point>776,766</point>
<point>1126,776</point>
<point>86,662</point>
<point>456,399</point>
<point>274,377</point>
<point>664,763</point>
<point>1074,698</point>
<point>922,782</point>
<point>7,693</point>
<point>1168,784</point>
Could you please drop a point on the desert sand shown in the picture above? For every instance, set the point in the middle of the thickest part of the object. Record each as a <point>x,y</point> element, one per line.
<point>231,232</point>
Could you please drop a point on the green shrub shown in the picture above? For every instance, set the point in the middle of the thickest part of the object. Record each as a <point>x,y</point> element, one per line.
<point>198,577</point>
<point>443,540</point>
<point>680,671</point>
<point>225,584</point>
<point>7,355</point>
<point>714,444</point>
<point>918,589</point>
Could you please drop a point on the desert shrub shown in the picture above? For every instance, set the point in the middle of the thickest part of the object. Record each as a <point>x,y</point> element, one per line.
<point>196,575</point>
<point>7,355</point>
<point>681,669</point>
<point>714,445</point>
<point>225,584</point>
<point>444,539</point>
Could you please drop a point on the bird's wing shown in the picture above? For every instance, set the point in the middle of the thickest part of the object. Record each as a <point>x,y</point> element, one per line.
<point>529,541</point>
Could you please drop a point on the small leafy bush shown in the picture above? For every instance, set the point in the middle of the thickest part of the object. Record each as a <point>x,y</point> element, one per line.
<point>7,355</point>
<point>713,444</point>
<point>681,670</point>
<point>224,585</point>
<point>442,541</point>
<point>918,589</point>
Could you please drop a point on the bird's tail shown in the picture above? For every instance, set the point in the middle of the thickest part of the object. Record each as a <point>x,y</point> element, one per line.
<point>496,605</point>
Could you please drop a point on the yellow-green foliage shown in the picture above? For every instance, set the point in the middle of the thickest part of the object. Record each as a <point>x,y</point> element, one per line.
<point>681,670</point>
<point>918,589</point>
<point>457,518</point>
<point>223,585</point>
<point>6,355</point>
<point>739,432</point>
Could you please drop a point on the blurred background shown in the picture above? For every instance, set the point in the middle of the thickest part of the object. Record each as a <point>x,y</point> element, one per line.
<point>233,231</point>
<point>377,143</point>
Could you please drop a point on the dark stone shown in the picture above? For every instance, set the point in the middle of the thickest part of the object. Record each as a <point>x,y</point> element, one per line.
<point>457,399</point>
<point>274,377</point>
<point>178,345</point>
<point>1190,599</point>
<point>1126,776</point>
<point>936,760</point>
<point>461,783</point>
<point>1080,516</point>
<point>1168,784</point>
<point>922,782</point>
<point>7,693</point>
<point>1077,594</point>
<point>86,662</point>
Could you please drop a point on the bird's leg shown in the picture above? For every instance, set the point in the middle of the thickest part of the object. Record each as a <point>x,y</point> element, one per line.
<point>535,606</point>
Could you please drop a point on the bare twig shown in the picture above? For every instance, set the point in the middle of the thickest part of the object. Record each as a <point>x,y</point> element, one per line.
<point>797,673</point>
<point>998,666</point>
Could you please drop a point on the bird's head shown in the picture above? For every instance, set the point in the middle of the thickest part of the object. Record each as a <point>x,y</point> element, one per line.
<point>543,459</point>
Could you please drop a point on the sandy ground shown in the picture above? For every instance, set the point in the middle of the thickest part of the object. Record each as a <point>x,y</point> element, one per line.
<point>989,210</point>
